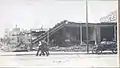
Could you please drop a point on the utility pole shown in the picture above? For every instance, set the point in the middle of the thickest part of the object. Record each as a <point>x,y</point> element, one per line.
<point>118,32</point>
<point>87,25</point>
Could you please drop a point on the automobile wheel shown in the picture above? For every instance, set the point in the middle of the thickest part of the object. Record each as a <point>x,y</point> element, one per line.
<point>114,51</point>
<point>99,51</point>
<point>94,50</point>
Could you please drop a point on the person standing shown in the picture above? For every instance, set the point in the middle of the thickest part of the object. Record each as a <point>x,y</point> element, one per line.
<point>39,48</point>
<point>44,49</point>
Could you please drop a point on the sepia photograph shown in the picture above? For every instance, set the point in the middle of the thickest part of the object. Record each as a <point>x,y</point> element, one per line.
<point>59,34</point>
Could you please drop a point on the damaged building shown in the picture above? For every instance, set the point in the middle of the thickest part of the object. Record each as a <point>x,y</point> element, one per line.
<point>71,33</point>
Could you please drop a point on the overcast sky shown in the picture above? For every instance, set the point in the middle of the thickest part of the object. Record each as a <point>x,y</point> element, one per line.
<point>35,13</point>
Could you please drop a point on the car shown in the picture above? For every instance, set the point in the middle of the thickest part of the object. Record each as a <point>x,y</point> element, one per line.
<point>105,45</point>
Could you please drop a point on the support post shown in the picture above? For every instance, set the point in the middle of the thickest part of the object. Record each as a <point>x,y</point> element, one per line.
<point>81,34</point>
<point>114,32</point>
<point>95,35</point>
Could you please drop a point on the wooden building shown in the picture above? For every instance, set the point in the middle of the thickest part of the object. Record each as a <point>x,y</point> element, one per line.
<point>75,33</point>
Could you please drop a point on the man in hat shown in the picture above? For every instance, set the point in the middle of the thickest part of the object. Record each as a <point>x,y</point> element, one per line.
<point>40,47</point>
<point>44,48</point>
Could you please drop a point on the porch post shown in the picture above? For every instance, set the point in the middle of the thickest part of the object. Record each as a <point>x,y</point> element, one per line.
<point>81,34</point>
<point>95,35</point>
<point>115,32</point>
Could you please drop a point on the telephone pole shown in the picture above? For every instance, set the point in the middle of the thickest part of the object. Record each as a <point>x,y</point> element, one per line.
<point>87,25</point>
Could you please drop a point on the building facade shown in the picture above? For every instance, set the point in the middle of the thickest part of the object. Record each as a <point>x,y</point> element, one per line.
<point>75,33</point>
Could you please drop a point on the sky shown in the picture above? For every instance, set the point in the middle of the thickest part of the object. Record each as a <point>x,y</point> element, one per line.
<point>30,14</point>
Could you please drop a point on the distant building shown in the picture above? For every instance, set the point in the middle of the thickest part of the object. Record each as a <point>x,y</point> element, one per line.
<point>15,35</point>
